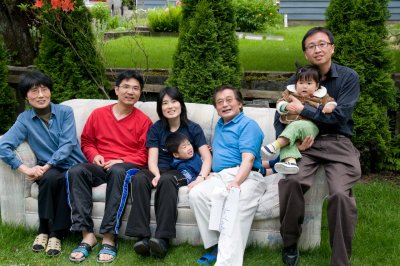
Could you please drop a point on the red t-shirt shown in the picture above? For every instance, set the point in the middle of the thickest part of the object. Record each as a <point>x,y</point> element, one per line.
<point>116,139</point>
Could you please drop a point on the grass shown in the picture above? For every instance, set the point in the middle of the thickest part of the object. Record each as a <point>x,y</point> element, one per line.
<point>266,55</point>
<point>254,55</point>
<point>376,240</point>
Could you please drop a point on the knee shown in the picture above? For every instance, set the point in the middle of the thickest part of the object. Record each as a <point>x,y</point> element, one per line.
<point>167,179</point>
<point>75,172</point>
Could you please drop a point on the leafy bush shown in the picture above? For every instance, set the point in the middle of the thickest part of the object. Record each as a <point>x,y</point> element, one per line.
<point>256,15</point>
<point>359,28</point>
<point>101,11</point>
<point>165,19</point>
<point>68,53</point>
<point>7,95</point>
<point>207,52</point>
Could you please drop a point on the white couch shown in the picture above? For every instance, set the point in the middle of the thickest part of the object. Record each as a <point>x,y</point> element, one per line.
<point>18,198</point>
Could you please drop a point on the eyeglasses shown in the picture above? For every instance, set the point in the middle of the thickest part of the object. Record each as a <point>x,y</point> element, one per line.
<point>321,46</point>
<point>126,87</point>
<point>35,91</point>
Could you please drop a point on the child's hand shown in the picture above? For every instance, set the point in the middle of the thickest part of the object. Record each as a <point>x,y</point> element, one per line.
<point>328,108</point>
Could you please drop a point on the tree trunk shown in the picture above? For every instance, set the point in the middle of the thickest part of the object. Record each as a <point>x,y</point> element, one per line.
<point>15,31</point>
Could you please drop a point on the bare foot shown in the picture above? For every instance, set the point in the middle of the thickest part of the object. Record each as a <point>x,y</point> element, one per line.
<point>107,239</point>
<point>88,238</point>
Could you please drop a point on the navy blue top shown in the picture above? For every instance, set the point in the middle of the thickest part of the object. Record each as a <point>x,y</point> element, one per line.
<point>158,133</point>
<point>189,168</point>
<point>55,144</point>
<point>343,85</point>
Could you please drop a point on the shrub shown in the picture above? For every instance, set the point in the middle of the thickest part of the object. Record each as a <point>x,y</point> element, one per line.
<point>256,15</point>
<point>101,12</point>
<point>165,20</point>
<point>207,52</point>
<point>359,28</point>
<point>7,95</point>
<point>68,53</point>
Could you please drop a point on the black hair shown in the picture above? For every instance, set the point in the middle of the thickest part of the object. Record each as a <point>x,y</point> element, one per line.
<point>307,73</point>
<point>130,74</point>
<point>174,140</point>
<point>236,92</point>
<point>314,30</point>
<point>175,94</point>
<point>32,79</point>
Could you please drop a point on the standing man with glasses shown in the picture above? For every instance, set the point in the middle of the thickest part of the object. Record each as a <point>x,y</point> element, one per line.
<point>113,141</point>
<point>332,148</point>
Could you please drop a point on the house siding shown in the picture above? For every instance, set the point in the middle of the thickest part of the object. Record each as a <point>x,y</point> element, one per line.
<point>315,9</point>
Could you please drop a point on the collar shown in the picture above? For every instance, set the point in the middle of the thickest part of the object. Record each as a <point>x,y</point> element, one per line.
<point>234,120</point>
<point>333,73</point>
<point>321,92</point>
<point>33,113</point>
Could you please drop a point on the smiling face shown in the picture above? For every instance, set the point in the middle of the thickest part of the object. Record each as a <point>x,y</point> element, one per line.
<point>128,92</point>
<point>306,87</point>
<point>316,54</point>
<point>171,108</point>
<point>228,107</point>
<point>39,97</point>
<point>185,150</point>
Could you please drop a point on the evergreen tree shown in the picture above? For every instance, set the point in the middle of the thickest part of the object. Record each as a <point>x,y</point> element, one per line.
<point>360,41</point>
<point>207,52</point>
<point>7,94</point>
<point>68,53</point>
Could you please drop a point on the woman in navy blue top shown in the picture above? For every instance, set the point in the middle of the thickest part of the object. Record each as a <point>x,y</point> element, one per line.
<point>171,110</point>
<point>50,131</point>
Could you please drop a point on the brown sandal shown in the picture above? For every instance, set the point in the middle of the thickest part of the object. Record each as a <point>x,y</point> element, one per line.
<point>40,243</point>
<point>53,247</point>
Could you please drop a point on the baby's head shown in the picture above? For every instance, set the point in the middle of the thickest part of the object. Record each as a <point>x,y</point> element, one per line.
<point>308,80</point>
<point>179,146</point>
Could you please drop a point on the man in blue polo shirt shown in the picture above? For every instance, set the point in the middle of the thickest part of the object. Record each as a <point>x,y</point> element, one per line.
<point>236,165</point>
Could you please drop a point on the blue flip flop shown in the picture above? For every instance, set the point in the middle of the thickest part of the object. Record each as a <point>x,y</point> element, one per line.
<point>207,259</point>
<point>107,249</point>
<point>83,248</point>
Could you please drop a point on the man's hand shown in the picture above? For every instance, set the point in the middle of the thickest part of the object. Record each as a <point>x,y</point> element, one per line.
<point>98,160</point>
<point>110,163</point>
<point>305,144</point>
<point>32,173</point>
<point>155,180</point>
<point>294,106</point>
<point>233,184</point>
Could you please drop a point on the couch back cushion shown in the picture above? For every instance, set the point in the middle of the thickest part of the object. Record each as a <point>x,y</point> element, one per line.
<point>203,114</point>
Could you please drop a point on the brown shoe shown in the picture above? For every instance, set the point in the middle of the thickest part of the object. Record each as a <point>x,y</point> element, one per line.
<point>53,247</point>
<point>40,243</point>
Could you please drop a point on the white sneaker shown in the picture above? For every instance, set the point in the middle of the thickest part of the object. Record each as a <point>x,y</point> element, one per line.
<point>286,168</point>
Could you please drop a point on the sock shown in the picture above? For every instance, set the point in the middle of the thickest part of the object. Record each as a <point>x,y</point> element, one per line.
<point>290,160</point>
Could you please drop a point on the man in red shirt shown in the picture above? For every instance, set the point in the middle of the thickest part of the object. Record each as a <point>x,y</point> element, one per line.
<point>113,141</point>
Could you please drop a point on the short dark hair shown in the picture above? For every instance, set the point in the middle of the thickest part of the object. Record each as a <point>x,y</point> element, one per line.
<point>308,72</point>
<point>31,79</point>
<point>175,94</point>
<point>314,30</point>
<point>236,92</point>
<point>130,74</point>
<point>173,141</point>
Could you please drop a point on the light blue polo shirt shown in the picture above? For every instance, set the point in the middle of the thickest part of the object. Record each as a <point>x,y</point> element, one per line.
<point>239,135</point>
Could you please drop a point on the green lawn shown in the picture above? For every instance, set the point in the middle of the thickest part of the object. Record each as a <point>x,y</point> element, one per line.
<point>254,54</point>
<point>265,55</point>
<point>377,239</point>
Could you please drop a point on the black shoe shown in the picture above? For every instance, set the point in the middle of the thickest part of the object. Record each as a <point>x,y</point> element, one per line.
<point>158,247</point>
<point>290,255</point>
<point>142,247</point>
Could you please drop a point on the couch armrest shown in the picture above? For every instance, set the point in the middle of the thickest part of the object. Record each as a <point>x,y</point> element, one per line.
<point>13,188</point>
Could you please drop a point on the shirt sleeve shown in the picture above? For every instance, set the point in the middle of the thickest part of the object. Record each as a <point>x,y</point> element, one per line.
<point>67,140</point>
<point>251,138</point>
<point>10,141</point>
<point>88,139</point>
<point>153,136</point>
<point>198,135</point>
<point>348,96</point>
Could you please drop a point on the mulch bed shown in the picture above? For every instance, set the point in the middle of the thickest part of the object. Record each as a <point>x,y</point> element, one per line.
<point>392,177</point>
